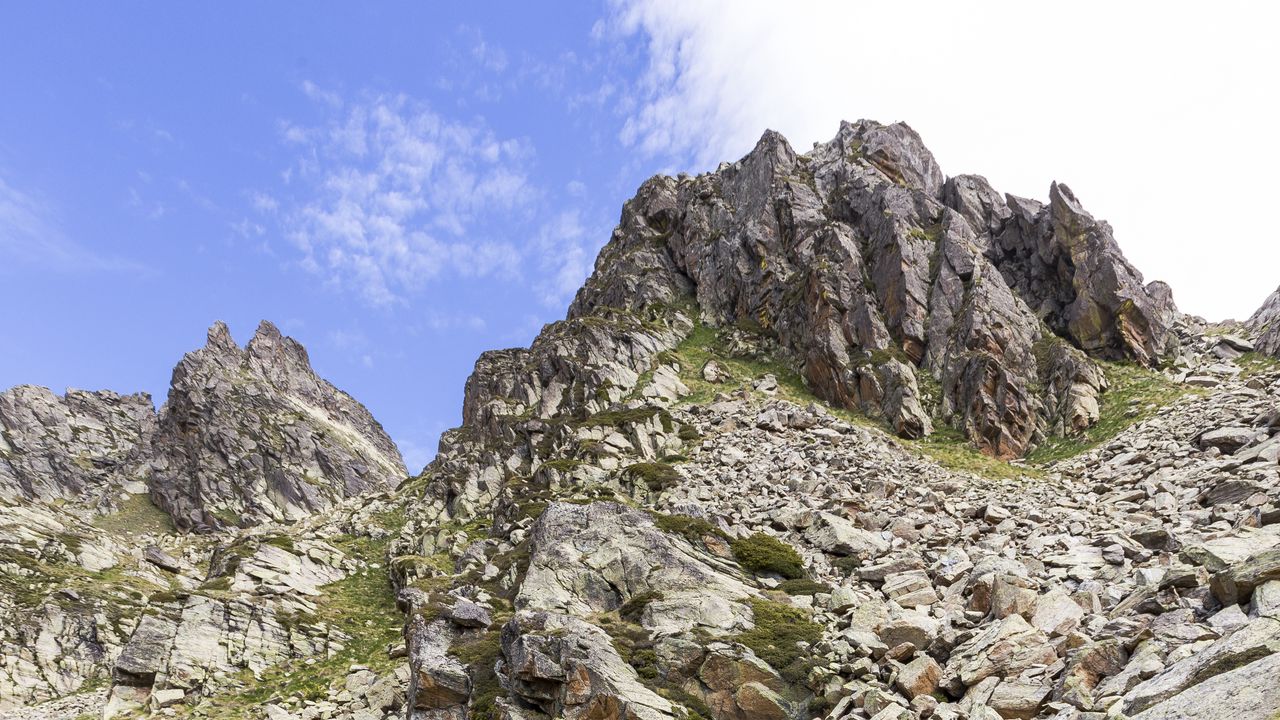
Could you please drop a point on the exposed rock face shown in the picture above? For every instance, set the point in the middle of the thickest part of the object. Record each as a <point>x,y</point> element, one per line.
<point>566,573</point>
<point>648,515</point>
<point>81,446</point>
<point>1266,322</point>
<point>95,584</point>
<point>882,279</point>
<point>568,668</point>
<point>252,434</point>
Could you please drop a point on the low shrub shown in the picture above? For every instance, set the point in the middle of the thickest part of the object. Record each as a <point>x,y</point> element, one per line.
<point>763,554</point>
<point>778,635</point>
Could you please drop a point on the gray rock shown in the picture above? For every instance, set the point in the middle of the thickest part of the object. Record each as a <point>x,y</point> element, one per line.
<point>589,559</point>
<point>1266,322</point>
<point>81,447</point>
<point>1248,692</point>
<point>249,435</point>
<point>1227,439</point>
<point>568,668</point>
<point>834,534</point>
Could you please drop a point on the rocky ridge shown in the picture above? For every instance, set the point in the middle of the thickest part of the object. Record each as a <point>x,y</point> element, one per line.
<point>687,499</point>
<point>253,434</point>
<point>82,447</point>
<point>91,567</point>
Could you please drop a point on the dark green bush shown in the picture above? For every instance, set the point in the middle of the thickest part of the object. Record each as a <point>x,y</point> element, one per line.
<point>762,554</point>
<point>803,586</point>
<point>779,630</point>
<point>656,476</point>
<point>690,528</point>
<point>632,609</point>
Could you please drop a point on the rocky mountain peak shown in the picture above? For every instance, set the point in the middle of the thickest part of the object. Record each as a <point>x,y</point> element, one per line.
<point>218,339</point>
<point>892,289</point>
<point>685,501</point>
<point>253,434</point>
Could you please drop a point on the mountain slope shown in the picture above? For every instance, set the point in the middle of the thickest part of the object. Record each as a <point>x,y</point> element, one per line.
<point>692,499</point>
<point>94,581</point>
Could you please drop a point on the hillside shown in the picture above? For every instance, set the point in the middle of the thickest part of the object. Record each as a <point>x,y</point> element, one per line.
<point>824,435</point>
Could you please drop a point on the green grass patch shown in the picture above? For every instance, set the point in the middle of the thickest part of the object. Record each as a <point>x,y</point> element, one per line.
<point>633,609</point>
<point>136,515</point>
<point>657,476</point>
<point>803,586</point>
<point>764,554</point>
<point>1134,394</point>
<point>362,605</point>
<point>690,528</point>
<point>621,418</point>
<point>481,649</point>
<point>704,344</point>
<point>779,630</point>
<point>950,448</point>
<point>1256,363</point>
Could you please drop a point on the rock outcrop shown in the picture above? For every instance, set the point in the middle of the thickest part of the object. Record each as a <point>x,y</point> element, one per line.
<point>249,435</point>
<point>81,447</point>
<point>1266,323</point>
<point>96,584</point>
<point>881,280</point>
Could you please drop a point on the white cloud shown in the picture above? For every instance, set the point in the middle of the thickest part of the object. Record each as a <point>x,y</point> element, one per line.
<point>388,195</point>
<point>563,258</point>
<point>30,236</point>
<point>1156,116</point>
<point>490,56</point>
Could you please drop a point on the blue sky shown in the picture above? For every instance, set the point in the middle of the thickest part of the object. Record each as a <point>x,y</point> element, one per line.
<point>403,185</point>
<point>398,189</point>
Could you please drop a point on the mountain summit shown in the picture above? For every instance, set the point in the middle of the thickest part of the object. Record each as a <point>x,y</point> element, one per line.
<point>823,436</point>
<point>893,290</point>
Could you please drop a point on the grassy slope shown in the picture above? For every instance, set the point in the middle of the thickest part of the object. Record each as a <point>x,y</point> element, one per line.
<point>361,605</point>
<point>1135,394</point>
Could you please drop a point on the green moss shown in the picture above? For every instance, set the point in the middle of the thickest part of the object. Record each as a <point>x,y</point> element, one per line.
<point>633,609</point>
<point>562,465</point>
<point>762,554</point>
<point>284,542</point>
<point>621,418</point>
<point>480,649</point>
<point>690,528</point>
<point>803,586</point>
<point>219,584</point>
<point>136,514</point>
<point>779,630</point>
<point>657,476</point>
<point>1134,394</point>
<point>533,509</point>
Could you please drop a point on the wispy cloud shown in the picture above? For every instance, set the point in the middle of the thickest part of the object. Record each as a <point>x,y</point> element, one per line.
<point>563,258</point>
<point>387,195</point>
<point>30,236</point>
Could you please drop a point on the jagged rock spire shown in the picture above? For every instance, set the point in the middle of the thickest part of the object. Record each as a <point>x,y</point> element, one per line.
<point>253,434</point>
<point>883,280</point>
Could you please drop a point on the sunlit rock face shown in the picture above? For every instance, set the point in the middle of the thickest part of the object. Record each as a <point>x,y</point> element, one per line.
<point>252,434</point>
